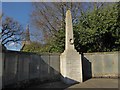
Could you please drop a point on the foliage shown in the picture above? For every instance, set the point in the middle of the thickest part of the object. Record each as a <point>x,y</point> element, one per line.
<point>57,43</point>
<point>36,47</point>
<point>98,30</point>
<point>95,31</point>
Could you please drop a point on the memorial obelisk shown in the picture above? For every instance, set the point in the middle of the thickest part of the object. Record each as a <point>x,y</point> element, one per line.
<point>70,59</point>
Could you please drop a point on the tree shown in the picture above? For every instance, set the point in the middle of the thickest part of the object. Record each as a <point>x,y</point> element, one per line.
<point>50,17</point>
<point>57,44</point>
<point>11,31</point>
<point>95,27</point>
<point>98,30</point>
<point>95,31</point>
<point>36,47</point>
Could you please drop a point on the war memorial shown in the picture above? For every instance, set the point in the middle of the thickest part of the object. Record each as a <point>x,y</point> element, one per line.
<point>91,70</point>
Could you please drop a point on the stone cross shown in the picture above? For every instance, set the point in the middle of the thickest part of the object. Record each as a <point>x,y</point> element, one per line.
<point>69,44</point>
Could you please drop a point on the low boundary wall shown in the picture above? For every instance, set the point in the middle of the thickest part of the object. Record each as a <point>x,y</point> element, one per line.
<point>104,64</point>
<point>21,66</point>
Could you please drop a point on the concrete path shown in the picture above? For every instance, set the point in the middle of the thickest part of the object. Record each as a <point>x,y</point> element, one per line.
<point>56,85</point>
<point>91,83</point>
<point>97,83</point>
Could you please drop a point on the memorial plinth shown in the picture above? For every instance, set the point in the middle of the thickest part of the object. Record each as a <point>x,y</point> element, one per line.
<point>70,59</point>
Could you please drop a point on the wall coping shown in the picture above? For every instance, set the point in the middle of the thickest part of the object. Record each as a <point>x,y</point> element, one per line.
<point>115,52</point>
<point>30,53</point>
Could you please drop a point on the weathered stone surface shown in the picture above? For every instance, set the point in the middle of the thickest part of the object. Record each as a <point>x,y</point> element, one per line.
<point>70,59</point>
<point>20,67</point>
<point>10,68</point>
<point>1,69</point>
<point>70,66</point>
<point>104,64</point>
<point>69,43</point>
<point>23,67</point>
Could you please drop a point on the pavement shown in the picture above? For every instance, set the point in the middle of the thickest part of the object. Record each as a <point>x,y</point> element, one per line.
<point>97,83</point>
<point>57,84</point>
<point>90,84</point>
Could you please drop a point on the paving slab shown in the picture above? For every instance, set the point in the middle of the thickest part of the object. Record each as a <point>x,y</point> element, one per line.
<point>97,83</point>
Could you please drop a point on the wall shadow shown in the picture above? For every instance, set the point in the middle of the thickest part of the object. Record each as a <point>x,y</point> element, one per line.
<point>50,78</point>
<point>42,74</point>
<point>86,68</point>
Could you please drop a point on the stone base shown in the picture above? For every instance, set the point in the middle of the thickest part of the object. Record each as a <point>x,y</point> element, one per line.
<point>71,66</point>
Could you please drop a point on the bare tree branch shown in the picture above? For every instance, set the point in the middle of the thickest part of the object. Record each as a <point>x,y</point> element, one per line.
<point>11,31</point>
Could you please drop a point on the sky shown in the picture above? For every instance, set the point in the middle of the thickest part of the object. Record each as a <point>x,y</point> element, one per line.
<point>0,13</point>
<point>19,11</point>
